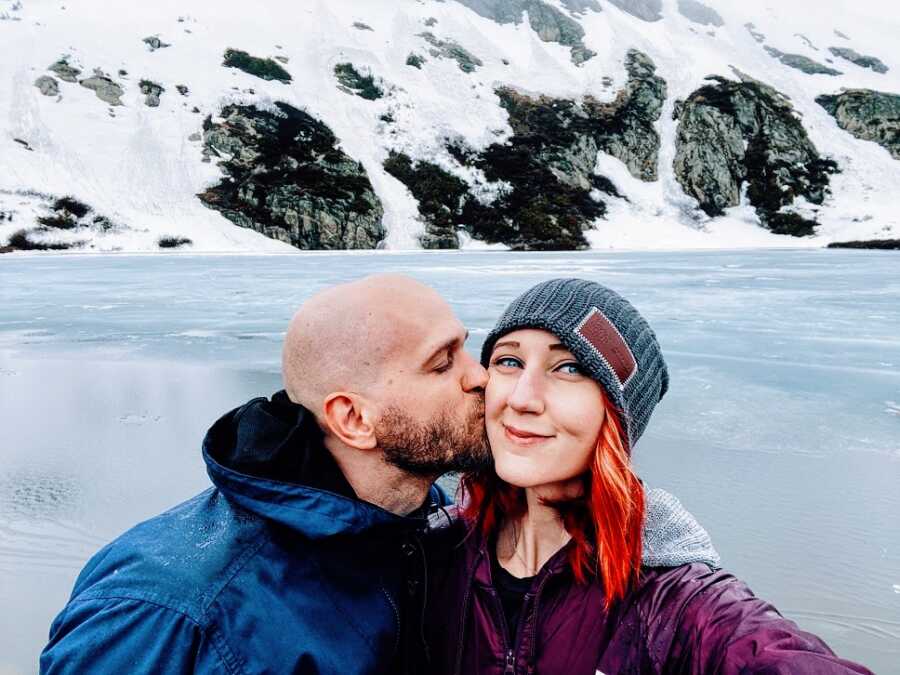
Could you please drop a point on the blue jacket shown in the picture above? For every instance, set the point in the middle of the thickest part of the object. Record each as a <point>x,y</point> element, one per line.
<point>279,568</point>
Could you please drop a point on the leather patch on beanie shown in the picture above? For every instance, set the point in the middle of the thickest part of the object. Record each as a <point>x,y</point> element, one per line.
<point>606,340</point>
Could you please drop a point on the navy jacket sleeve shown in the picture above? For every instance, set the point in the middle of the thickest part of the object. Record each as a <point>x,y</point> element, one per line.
<point>123,635</point>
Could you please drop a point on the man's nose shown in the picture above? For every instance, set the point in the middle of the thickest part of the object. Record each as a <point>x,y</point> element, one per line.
<point>475,376</point>
<point>526,395</point>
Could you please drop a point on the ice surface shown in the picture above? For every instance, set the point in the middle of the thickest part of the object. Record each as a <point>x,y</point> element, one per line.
<point>780,431</point>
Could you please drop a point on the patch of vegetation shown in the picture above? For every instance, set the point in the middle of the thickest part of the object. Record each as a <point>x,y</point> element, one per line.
<point>361,85</point>
<point>880,244</point>
<point>266,69</point>
<point>72,205</point>
<point>20,241</point>
<point>170,241</point>
<point>791,223</point>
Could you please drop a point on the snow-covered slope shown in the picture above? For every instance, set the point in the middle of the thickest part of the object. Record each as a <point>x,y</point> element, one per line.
<point>142,167</point>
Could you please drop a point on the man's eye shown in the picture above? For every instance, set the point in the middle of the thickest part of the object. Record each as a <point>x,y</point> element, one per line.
<point>507,362</point>
<point>570,369</point>
<point>444,367</point>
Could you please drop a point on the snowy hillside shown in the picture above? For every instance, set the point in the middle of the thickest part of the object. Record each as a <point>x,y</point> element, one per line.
<point>151,138</point>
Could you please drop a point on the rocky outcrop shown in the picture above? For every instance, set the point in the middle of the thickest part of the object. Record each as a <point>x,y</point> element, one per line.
<point>648,10</point>
<point>63,221</point>
<point>353,82</point>
<point>47,85</point>
<point>699,13</point>
<point>550,24</point>
<point>867,114</point>
<point>415,60</point>
<point>265,69</point>
<point>755,34</point>
<point>286,177</point>
<point>733,136</point>
<point>449,49</point>
<point>106,89</point>
<point>152,91</point>
<point>861,60</point>
<point>802,63</point>
<point>539,191</point>
<point>581,6</point>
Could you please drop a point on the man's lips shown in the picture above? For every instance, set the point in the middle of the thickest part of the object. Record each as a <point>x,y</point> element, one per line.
<point>522,436</point>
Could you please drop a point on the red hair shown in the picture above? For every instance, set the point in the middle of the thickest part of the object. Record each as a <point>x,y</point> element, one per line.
<point>605,523</point>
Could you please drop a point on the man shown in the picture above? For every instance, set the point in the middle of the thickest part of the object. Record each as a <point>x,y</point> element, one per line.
<point>305,556</point>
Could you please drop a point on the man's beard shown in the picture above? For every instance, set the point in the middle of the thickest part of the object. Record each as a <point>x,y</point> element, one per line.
<point>442,444</point>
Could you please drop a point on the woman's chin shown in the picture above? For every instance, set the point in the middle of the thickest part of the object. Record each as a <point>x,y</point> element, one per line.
<point>518,471</point>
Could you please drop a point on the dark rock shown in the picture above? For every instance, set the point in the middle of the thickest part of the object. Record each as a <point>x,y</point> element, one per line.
<point>359,25</point>
<point>466,61</point>
<point>697,12</point>
<point>353,82</point>
<point>415,60</point>
<point>870,62</point>
<point>154,43</point>
<point>106,89</point>
<point>882,244</point>
<point>47,85</point>
<point>265,69</point>
<point>286,178</point>
<point>549,23</point>
<point>736,134</point>
<point>282,59</point>
<point>182,89</point>
<point>802,63</point>
<point>807,41</point>
<point>867,114</point>
<point>430,21</point>
<point>648,10</point>
<point>64,71</point>
<point>840,34</point>
<point>152,91</point>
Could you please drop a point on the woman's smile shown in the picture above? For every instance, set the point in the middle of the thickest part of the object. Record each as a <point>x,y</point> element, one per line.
<point>523,437</point>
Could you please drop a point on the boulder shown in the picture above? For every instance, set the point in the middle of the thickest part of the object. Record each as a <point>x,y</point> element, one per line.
<point>64,71</point>
<point>286,177</point>
<point>466,61</point>
<point>106,89</point>
<point>47,85</point>
<point>867,114</point>
<point>152,91</point>
<point>699,13</point>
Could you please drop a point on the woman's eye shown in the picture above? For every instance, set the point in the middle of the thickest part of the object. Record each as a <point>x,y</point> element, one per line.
<point>570,369</point>
<point>507,362</point>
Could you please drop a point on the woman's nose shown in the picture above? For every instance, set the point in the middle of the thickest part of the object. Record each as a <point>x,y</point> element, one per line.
<point>527,394</point>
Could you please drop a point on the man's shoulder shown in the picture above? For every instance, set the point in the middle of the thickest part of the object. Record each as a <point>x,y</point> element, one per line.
<point>180,559</point>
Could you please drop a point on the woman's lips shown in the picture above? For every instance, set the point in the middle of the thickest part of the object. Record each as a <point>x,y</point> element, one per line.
<point>522,437</point>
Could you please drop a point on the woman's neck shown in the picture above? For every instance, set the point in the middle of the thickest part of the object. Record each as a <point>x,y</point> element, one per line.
<point>525,544</point>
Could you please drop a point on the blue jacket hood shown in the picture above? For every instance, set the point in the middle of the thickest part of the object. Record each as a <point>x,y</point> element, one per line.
<point>268,457</point>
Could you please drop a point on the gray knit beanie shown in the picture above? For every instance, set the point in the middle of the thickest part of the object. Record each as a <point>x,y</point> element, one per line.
<point>607,336</point>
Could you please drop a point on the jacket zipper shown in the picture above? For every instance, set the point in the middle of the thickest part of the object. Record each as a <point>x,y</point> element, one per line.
<point>510,663</point>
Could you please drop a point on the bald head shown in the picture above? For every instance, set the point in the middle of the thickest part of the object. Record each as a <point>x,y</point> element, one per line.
<point>343,338</point>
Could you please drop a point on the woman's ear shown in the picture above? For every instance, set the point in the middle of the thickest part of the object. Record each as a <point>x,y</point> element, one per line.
<point>349,417</point>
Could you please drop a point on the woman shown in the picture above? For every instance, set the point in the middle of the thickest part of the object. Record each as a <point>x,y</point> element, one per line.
<point>554,574</point>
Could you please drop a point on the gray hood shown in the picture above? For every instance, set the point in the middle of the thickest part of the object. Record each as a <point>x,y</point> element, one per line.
<point>672,536</point>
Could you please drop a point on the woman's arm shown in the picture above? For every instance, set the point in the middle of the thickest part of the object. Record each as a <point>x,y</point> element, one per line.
<point>713,623</point>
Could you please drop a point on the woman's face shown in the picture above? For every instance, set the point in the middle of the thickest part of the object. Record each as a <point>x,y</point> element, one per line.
<point>543,414</point>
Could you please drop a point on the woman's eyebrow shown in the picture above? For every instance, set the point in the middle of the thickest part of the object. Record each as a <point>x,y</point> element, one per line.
<point>507,343</point>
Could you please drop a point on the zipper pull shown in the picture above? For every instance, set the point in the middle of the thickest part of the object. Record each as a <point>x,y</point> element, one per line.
<point>510,663</point>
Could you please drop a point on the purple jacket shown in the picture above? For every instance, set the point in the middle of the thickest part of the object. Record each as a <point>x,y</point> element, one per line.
<point>689,619</point>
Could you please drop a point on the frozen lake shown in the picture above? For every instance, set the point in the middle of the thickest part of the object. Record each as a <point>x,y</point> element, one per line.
<point>780,432</point>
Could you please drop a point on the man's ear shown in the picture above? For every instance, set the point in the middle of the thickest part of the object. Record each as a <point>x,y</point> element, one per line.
<point>349,418</point>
